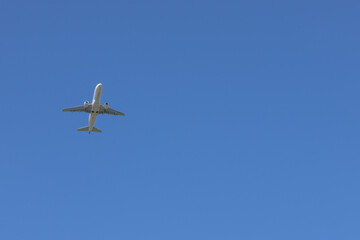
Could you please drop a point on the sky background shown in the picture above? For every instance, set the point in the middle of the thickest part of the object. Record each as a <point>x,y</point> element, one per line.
<point>242,120</point>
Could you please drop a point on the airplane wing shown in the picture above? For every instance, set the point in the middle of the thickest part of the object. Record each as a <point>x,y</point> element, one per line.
<point>78,109</point>
<point>110,111</point>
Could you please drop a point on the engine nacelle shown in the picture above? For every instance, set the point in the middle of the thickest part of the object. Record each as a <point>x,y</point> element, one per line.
<point>106,105</point>
<point>86,103</point>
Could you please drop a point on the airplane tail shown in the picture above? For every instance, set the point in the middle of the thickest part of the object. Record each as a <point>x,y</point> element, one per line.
<point>87,129</point>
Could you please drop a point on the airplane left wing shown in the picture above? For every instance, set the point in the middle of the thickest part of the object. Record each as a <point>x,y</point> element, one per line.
<point>110,111</point>
<point>78,109</point>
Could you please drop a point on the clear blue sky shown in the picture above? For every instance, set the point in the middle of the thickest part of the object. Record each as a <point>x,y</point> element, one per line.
<point>242,120</point>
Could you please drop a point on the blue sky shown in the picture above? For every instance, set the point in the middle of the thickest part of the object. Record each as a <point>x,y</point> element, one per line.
<point>242,120</point>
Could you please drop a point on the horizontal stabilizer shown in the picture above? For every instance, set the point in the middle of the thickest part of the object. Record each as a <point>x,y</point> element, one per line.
<point>87,129</point>
<point>83,129</point>
<point>96,129</point>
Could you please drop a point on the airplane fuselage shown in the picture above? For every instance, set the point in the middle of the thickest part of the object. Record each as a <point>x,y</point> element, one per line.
<point>95,106</point>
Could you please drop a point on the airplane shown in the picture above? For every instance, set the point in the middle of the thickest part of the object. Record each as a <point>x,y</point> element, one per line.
<point>94,109</point>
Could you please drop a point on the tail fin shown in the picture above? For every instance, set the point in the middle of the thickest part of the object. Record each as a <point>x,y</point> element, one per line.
<point>87,129</point>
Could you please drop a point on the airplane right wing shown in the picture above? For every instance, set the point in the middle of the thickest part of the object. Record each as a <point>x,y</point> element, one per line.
<point>78,109</point>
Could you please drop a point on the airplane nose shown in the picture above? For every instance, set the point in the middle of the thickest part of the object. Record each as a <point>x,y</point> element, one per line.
<point>99,85</point>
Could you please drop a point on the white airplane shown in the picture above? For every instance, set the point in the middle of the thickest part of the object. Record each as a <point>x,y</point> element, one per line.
<point>94,109</point>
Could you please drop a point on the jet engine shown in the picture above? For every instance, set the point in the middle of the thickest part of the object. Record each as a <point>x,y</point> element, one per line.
<point>106,105</point>
<point>86,103</point>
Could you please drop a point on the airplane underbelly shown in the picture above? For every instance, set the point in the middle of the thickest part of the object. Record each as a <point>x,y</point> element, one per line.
<point>92,120</point>
<point>95,108</point>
